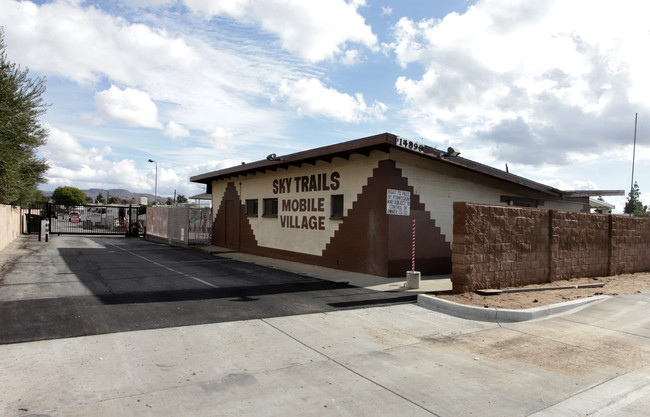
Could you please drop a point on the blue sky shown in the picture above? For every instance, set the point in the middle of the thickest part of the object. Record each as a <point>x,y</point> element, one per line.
<point>550,88</point>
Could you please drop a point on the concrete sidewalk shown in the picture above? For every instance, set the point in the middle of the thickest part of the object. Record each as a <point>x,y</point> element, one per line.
<point>397,360</point>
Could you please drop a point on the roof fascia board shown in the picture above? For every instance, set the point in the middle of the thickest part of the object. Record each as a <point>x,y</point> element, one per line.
<point>309,156</point>
<point>591,193</point>
<point>387,141</point>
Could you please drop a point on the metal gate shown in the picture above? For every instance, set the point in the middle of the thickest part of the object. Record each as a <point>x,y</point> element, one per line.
<point>84,219</point>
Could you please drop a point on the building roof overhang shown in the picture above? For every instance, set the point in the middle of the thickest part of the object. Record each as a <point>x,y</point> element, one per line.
<point>594,203</point>
<point>384,142</point>
<point>203,196</point>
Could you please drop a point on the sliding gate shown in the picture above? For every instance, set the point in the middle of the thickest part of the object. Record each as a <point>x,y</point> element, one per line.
<point>85,219</point>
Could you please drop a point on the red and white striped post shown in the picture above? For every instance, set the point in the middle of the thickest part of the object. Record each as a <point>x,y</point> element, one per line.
<point>413,248</point>
<point>413,276</point>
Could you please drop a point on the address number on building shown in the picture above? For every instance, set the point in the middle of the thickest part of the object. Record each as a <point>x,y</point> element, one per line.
<point>398,202</point>
<point>410,144</point>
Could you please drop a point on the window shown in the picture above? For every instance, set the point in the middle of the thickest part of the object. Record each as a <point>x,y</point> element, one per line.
<point>270,207</point>
<point>337,207</point>
<point>251,207</point>
<point>521,201</point>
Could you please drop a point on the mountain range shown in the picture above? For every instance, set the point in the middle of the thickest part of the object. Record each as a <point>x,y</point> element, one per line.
<point>120,193</point>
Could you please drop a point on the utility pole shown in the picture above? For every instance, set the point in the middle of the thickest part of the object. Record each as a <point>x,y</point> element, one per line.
<point>633,158</point>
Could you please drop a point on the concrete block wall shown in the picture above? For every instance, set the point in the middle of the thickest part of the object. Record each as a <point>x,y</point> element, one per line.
<point>496,246</point>
<point>499,246</point>
<point>9,224</point>
<point>630,245</point>
<point>579,245</point>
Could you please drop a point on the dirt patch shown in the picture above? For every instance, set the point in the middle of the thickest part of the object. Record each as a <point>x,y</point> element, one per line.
<point>614,285</point>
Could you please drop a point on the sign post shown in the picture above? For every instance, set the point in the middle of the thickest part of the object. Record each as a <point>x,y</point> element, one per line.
<point>413,276</point>
<point>398,203</point>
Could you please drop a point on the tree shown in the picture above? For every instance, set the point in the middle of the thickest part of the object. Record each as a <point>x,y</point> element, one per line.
<point>37,196</point>
<point>181,199</point>
<point>114,200</point>
<point>634,206</point>
<point>170,201</point>
<point>100,199</point>
<point>21,104</point>
<point>68,196</point>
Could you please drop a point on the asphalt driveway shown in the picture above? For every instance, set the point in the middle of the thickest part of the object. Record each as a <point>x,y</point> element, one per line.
<point>79,286</point>
<point>386,361</point>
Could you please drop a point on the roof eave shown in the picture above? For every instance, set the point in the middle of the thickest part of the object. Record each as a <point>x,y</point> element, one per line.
<point>591,193</point>
<point>342,150</point>
<point>385,141</point>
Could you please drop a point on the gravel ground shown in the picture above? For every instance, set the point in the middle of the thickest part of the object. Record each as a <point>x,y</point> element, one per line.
<point>614,285</point>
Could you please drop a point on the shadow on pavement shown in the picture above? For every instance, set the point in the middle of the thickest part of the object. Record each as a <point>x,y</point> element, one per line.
<point>138,285</point>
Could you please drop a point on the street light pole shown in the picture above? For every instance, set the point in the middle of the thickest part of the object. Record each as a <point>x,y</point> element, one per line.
<point>156,185</point>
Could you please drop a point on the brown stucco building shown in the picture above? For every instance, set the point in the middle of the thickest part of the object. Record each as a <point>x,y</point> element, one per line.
<point>351,205</point>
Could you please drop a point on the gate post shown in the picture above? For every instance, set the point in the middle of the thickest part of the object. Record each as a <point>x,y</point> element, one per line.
<point>128,222</point>
<point>48,211</point>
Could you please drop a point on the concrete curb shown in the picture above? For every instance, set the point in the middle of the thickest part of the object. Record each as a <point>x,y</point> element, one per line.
<point>502,315</point>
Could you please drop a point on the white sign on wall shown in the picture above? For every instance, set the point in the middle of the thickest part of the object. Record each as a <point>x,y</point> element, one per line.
<point>398,202</point>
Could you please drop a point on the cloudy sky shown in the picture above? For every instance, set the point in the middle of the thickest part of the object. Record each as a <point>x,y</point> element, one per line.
<point>549,87</point>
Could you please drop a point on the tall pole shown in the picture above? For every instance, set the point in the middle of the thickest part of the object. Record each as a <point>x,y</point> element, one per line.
<point>155,192</point>
<point>633,154</point>
<point>413,248</point>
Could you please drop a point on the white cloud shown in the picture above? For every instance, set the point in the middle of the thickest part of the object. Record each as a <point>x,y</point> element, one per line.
<point>575,185</point>
<point>85,167</point>
<point>535,81</point>
<point>64,149</point>
<point>129,106</point>
<point>82,43</point>
<point>73,164</point>
<point>386,11</point>
<point>174,130</point>
<point>194,74</point>
<point>351,57</point>
<point>311,98</point>
<point>316,30</point>
<point>221,139</point>
<point>148,3</point>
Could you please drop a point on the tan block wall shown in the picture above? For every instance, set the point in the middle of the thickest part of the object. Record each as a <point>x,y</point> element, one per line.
<point>630,247</point>
<point>497,247</point>
<point>9,224</point>
<point>579,245</point>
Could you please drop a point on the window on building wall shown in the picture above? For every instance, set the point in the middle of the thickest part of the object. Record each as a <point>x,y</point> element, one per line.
<point>337,207</point>
<point>521,201</point>
<point>251,207</point>
<point>270,208</point>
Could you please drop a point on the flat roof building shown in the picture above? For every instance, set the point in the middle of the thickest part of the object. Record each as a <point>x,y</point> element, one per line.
<point>352,205</point>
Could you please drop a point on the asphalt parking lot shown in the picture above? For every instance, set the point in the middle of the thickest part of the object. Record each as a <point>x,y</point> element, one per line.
<point>88,285</point>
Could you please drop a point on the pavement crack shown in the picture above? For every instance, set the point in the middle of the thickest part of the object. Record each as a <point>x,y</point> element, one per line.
<point>342,365</point>
<point>605,328</point>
